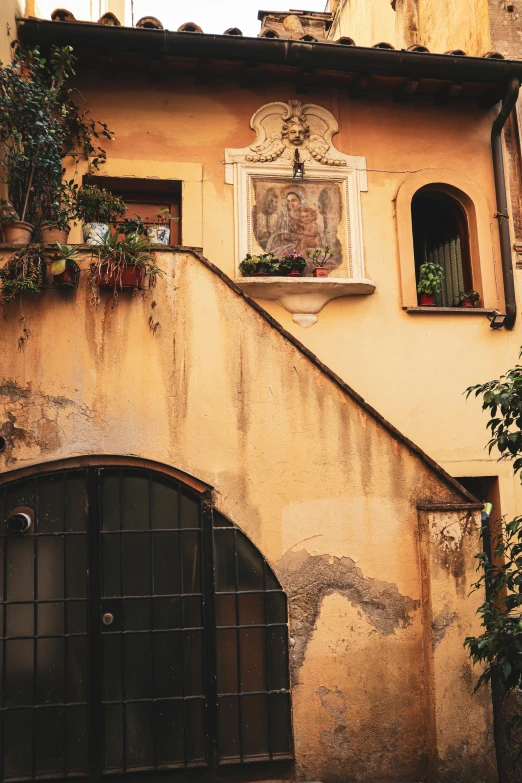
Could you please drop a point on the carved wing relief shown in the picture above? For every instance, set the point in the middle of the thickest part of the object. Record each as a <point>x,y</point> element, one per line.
<point>271,149</point>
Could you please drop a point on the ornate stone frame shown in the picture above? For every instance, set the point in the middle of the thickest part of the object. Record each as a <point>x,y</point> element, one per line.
<point>353,180</point>
<point>282,130</point>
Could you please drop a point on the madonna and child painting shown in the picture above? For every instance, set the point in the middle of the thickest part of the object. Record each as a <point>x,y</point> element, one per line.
<point>300,216</point>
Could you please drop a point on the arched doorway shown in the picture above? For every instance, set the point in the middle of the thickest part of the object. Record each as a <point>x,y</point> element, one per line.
<point>141,631</point>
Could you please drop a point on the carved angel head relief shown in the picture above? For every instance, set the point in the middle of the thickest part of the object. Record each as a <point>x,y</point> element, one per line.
<point>295,130</point>
<point>283,127</point>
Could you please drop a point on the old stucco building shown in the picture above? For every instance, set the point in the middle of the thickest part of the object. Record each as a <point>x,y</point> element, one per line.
<point>277,496</point>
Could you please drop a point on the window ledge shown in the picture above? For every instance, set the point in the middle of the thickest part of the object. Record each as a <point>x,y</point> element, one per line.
<point>451,310</point>
<point>304,297</point>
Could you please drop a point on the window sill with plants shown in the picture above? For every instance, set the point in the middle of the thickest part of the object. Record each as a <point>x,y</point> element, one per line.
<point>429,288</point>
<point>288,282</point>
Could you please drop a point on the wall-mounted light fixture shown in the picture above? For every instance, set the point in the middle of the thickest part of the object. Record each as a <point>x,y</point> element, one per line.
<point>298,166</point>
<point>497,320</point>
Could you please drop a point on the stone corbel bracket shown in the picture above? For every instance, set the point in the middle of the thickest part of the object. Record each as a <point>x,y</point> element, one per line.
<point>304,297</point>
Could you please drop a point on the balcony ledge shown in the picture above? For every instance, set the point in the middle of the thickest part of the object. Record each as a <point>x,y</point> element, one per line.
<point>304,297</point>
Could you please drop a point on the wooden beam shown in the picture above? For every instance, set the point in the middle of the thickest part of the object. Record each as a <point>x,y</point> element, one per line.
<point>447,92</point>
<point>404,90</point>
<point>249,75</point>
<point>357,87</point>
<point>304,80</point>
<point>203,73</point>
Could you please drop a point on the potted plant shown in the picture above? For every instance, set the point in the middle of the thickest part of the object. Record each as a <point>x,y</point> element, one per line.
<point>430,282</point>
<point>319,258</point>
<point>97,208</point>
<point>123,262</point>
<point>23,272</point>
<point>40,125</point>
<point>63,266</point>
<point>134,225</point>
<point>259,266</point>
<point>468,298</point>
<point>16,233</point>
<point>159,232</point>
<point>58,209</point>
<point>292,264</point>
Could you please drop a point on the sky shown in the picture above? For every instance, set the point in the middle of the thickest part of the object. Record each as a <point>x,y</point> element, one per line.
<point>216,16</point>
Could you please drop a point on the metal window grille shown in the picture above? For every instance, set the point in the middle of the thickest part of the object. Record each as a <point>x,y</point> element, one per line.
<point>137,634</point>
<point>441,237</point>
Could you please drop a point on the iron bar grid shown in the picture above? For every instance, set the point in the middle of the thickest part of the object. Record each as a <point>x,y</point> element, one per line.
<point>197,582</point>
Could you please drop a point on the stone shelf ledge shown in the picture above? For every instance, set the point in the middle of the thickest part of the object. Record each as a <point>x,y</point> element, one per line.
<point>304,297</point>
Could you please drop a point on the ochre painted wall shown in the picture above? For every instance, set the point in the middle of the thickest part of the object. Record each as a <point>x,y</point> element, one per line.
<point>448,24</point>
<point>367,23</point>
<point>442,25</point>
<point>412,368</point>
<point>323,488</point>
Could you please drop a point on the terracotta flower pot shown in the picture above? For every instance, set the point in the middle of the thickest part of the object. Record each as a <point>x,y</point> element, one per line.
<point>467,303</point>
<point>426,300</point>
<point>17,233</point>
<point>294,273</point>
<point>320,271</point>
<point>130,277</point>
<point>50,234</point>
<point>69,278</point>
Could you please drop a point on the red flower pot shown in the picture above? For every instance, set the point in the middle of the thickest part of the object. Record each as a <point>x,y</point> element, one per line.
<point>126,277</point>
<point>467,303</point>
<point>294,273</point>
<point>320,271</point>
<point>260,274</point>
<point>69,278</point>
<point>426,300</point>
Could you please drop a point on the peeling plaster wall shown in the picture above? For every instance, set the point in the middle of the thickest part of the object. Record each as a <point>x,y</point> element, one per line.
<point>394,359</point>
<point>326,492</point>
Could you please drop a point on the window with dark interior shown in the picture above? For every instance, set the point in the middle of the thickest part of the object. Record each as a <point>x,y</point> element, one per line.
<point>146,197</point>
<point>141,632</point>
<point>440,236</point>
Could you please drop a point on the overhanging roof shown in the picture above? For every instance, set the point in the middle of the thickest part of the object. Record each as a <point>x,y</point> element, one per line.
<point>354,68</point>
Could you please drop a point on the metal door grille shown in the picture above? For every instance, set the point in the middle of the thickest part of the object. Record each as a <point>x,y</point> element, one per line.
<point>135,635</point>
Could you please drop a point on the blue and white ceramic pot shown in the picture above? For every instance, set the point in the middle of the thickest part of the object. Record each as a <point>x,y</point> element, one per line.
<point>158,235</point>
<point>95,233</point>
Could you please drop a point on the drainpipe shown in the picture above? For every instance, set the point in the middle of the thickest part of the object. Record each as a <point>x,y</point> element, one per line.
<point>502,205</point>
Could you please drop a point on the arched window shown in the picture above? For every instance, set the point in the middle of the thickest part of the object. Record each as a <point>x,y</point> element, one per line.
<point>141,631</point>
<point>440,235</point>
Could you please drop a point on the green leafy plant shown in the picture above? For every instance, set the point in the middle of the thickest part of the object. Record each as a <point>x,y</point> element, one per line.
<point>133,225</point>
<point>97,205</point>
<point>61,255</point>
<point>116,253</point>
<point>22,273</point>
<point>163,217</point>
<point>430,278</point>
<point>40,126</point>
<point>265,262</point>
<point>290,261</point>
<point>471,294</point>
<point>320,256</point>
<point>499,647</point>
<point>59,205</point>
